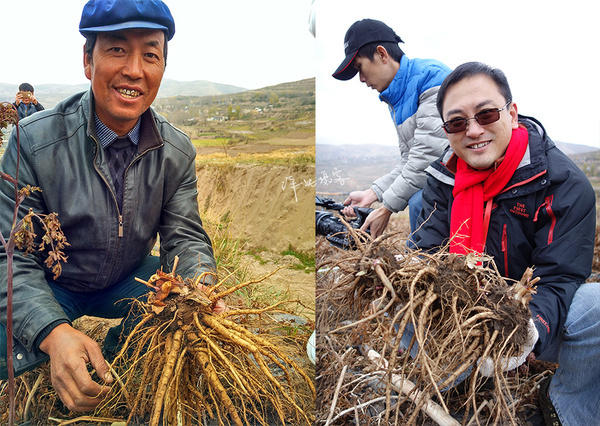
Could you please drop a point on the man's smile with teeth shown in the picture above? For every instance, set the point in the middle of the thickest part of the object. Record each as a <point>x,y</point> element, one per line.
<point>129,93</point>
<point>479,145</point>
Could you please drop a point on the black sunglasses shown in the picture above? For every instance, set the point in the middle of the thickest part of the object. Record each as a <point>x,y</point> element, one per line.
<point>487,116</point>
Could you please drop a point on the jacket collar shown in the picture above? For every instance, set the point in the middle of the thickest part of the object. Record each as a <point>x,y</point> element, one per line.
<point>149,135</point>
<point>394,92</point>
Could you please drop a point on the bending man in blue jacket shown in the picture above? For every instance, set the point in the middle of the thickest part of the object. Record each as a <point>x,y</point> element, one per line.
<point>409,87</point>
<point>503,188</point>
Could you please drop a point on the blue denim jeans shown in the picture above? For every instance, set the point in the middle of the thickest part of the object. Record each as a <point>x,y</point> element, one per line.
<point>112,302</point>
<point>575,387</point>
<point>415,205</point>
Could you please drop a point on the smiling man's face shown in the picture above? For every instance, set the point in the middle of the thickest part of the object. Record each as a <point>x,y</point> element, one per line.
<point>480,146</point>
<point>125,70</point>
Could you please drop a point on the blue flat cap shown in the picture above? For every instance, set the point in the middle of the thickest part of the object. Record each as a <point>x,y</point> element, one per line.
<point>114,15</point>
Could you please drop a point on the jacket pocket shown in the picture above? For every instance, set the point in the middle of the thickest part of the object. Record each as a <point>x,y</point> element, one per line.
<point>505,249</point>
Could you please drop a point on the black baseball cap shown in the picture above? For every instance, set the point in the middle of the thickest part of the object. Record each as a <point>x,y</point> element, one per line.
<point>113,15</point>
<point>360,33</point>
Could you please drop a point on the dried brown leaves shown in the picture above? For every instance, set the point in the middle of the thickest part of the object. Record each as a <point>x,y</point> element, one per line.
<point>52,242</point>
<point>8,115</point>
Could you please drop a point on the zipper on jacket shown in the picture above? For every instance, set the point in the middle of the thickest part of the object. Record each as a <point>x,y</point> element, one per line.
<point>552,218</point>
<point>120,217</point>
<point>505,249</point>
<point>135,159</point>
<point>547,204</point>
<point>120,226</point>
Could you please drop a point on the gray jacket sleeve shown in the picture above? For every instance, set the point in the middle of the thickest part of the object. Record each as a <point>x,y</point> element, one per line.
<point>421,140</point>
<point>181,231</point>
<point>34,305</point>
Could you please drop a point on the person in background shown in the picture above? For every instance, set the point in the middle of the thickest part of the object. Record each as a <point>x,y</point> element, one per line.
<point>409,87</point>
<point>26,102</point>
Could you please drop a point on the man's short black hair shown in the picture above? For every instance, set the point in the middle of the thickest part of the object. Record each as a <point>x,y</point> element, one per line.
<point>90,42</point>
<point>369,49</point>
<point>471,69</point>
<point>25,87</point>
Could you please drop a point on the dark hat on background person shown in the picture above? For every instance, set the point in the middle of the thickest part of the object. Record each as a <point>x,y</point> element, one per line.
<point>114,15</point>
<point>359,34</point>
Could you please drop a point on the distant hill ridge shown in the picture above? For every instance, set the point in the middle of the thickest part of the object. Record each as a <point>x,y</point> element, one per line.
<point>370,151</point>
<point>574,149</point>
<point>344,168</point>
<point>50,94</point>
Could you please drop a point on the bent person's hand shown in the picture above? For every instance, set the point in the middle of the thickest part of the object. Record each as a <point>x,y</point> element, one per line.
<point>377,221</point>
<point>70,351</point>
<point>219,307</point>
<point>361,198</point>
<point>348,211</point>
<point>506,364</point>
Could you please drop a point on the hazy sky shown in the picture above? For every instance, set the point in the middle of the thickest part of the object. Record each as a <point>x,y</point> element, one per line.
<point>547,49</point>
<point>250,44</point>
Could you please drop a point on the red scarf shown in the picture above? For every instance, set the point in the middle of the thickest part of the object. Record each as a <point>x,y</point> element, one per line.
<point>473,188</point>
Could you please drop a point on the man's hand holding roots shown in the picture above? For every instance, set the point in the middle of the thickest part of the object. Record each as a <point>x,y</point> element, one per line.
<point>486,365</point>
<point>70,351</point>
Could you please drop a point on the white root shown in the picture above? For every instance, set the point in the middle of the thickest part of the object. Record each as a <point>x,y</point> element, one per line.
<point>433,410</point>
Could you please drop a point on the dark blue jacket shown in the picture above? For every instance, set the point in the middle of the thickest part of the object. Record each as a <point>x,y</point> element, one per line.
<point>25,110</point>
<point>545,218</point>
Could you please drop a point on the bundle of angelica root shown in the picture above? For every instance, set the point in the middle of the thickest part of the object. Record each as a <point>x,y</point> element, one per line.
<point>459,309</point>
<point>183,362</point>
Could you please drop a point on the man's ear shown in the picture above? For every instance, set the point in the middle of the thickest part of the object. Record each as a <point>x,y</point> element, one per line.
<point>514,116</point>
<point>87,64</point>
<point>382,53</point>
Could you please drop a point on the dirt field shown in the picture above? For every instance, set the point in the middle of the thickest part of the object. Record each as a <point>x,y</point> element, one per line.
<point>270,209</point>
<point>260,203</point>
<point>298,284</point>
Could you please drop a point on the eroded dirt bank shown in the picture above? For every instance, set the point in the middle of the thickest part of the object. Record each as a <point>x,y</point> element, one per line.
<point>268,206</point>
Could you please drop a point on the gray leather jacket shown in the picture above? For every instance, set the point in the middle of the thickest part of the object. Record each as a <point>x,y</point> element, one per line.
<point>61,154</point>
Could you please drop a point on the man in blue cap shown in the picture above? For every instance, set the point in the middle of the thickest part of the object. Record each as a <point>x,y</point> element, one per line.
<point>117,174</point>
<point>409,87</point>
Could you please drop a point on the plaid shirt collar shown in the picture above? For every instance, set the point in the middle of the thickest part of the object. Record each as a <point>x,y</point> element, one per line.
<point>107,136</point>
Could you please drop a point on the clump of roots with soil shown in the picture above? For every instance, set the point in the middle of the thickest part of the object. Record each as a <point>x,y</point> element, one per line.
<point>185,363</point>
<point>453,310</point>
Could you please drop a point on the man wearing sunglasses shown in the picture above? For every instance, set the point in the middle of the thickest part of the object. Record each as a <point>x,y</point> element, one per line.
<point>409,87</point>
<point>504,189</point>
